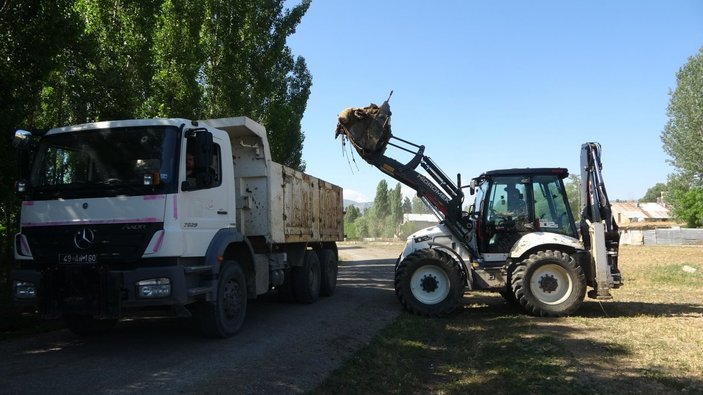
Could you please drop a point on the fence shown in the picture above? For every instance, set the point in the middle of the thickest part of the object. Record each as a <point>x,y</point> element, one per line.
<point>673,236</point>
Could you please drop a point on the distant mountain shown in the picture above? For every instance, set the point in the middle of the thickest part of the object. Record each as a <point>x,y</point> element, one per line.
<point>361,206</point>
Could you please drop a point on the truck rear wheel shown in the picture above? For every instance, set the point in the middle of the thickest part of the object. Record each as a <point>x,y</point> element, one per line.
<point>428,282</point>
<point>328,271</point>
<point>549,284</point>
<point>306,279</point>
<point>225,316</point>
<point>86,325</point>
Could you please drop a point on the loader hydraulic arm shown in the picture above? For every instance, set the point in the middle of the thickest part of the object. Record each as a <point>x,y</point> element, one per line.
<point>442,195</point>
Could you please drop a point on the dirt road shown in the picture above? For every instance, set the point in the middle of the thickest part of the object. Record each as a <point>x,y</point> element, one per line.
<point>282,348</point>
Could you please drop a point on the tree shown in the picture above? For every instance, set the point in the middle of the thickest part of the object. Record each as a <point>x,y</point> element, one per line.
<point>654,193</point>
<point>682,138</point>
<point>573,193</point>
<point>419,207</point>
<point>250,70</point>
<point>176,87</point>
<point>32,36</point>
<point>381,203</point>
<point>407,206</point>
<point>690,206</point>
<point>396,202</point>
<point>351,213</point>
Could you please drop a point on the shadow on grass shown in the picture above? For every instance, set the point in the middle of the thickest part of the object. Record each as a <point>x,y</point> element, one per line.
<point>615,309</point>
<point>491,346</point>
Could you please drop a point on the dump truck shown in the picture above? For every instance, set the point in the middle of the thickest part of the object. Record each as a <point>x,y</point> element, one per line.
<point>167,217</point>
<point>518,237</point>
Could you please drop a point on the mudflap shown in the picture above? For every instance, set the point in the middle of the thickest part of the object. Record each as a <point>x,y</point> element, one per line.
<point>91,291</point>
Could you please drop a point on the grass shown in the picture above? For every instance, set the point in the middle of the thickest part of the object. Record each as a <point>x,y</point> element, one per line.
<point>648,339</point>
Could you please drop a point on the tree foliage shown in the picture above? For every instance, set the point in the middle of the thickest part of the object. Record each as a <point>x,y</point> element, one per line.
<point>573,193</point>
<point>381,202</point>
<point>654,193</point>
<point>385,218</point>
<point>72,61</point>
<point>682,138</point>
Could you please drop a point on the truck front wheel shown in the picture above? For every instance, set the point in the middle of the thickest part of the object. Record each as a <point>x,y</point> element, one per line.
<point>225,316</point>
<point>549,284</point>
<point>428,282</point>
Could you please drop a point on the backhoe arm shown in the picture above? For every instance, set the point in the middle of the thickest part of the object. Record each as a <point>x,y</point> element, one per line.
<point>599,230</point>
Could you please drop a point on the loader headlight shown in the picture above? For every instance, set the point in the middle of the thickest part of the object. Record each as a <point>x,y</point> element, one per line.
<point>154,288</point>
<point>25,290</point>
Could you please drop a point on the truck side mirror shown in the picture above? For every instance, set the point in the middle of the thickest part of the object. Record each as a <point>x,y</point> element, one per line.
<point>23,139</point>
<point>203,147</point>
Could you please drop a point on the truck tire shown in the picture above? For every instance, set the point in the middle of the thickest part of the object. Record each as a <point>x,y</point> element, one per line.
<point>86,325</point>
<point>428,282</point>
<point>549,284</point>
<point>306,279</point>
<point>225,316</point>
<point>328,271</point>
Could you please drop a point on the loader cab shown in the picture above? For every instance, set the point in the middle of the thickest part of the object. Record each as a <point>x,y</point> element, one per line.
<point>514,202</point>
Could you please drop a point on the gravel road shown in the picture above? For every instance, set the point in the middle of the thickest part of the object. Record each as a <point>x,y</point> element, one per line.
<point>282,348</point>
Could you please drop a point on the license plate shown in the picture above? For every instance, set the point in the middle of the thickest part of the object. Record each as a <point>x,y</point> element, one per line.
<point>79,259</point>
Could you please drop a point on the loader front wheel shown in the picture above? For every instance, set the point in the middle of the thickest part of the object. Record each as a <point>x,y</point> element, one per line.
<point>428,282</point>
<point>549,284</point>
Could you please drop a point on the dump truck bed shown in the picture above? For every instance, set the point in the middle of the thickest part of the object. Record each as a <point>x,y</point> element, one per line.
<point>279,203</point>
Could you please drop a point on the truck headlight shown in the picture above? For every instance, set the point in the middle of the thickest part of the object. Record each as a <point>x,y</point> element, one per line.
<point>25,289</point>
<point>154,288</point>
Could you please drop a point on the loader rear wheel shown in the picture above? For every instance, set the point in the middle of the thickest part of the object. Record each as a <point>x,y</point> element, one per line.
<point>306,279</point>
<point>549,284</point>
<point>428,282</point>
<point>225,316</point>
<point>328,271</point>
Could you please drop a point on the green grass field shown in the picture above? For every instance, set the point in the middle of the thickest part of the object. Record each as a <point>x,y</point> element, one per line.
<point>648,339</point>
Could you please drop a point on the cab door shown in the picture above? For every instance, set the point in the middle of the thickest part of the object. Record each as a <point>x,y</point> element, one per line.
<point>204,198</point>
<point>507,214</point>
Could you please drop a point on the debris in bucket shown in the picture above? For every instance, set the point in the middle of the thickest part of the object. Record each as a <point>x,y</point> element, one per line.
<point>367,128</point>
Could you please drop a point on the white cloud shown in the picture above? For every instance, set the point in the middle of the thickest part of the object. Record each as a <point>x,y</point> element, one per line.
<point>353,195</point>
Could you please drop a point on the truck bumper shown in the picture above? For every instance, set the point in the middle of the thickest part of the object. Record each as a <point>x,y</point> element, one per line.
<point>104,293</point>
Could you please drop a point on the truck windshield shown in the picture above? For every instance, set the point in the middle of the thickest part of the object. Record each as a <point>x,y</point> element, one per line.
<point>105,162</point>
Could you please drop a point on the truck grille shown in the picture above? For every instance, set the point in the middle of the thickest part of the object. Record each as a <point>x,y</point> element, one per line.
<point>107,243</point>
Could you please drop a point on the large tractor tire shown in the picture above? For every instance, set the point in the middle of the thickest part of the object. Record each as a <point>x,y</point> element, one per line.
<point>328,271</point>
<point>549,284</point>
<point>428,282</point>
<point>306,279</point>
<point>224,317</point>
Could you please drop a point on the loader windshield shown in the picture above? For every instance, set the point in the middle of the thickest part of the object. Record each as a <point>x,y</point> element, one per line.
<point>105,162</point>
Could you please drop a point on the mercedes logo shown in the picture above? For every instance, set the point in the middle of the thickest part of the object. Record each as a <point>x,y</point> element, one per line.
<point>84,238</point>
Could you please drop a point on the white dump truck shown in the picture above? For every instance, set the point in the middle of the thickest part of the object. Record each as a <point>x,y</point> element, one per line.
<point>168,216</point>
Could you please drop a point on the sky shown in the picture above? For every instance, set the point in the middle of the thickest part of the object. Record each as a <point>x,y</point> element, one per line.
<point>486,85</point>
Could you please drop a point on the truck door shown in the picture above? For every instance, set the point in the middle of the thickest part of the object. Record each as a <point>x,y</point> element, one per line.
<point>204,201</point>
